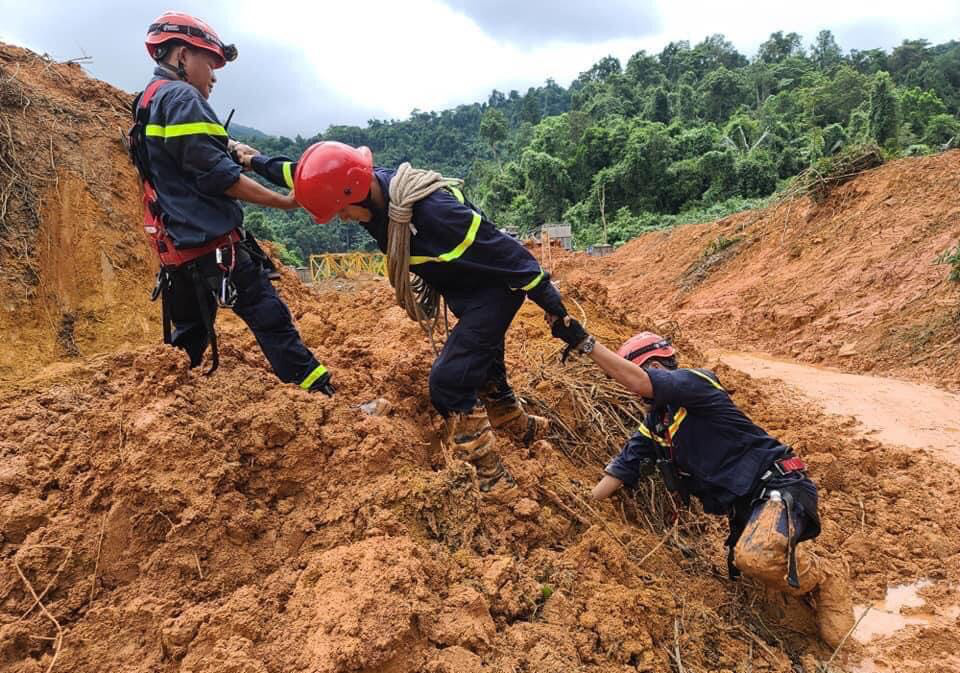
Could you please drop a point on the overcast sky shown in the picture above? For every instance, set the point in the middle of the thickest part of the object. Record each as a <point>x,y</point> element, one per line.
<point>306,65</point>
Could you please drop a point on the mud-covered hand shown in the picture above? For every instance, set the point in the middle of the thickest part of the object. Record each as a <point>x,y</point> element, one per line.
<point>570,331</point>
<point>323,385</point>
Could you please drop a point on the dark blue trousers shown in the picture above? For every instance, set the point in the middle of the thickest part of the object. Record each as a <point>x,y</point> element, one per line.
<point>473,357</point>
<point>258,305</point>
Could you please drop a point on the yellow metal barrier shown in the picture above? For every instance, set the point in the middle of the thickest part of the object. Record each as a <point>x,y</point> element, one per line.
<point>342,264</point>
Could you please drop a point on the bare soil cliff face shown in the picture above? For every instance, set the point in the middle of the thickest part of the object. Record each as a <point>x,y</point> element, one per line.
<point>849,281</point>
<point>74,269</point>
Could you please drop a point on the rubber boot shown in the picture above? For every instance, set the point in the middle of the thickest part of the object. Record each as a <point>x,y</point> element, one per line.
<point>834,606</point>
<point>509,416</point>
<point>471,438</point>
<point>762,553</point>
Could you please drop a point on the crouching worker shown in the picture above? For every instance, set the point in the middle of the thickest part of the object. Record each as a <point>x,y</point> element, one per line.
<point>703,445</point>
<point>426,226</point>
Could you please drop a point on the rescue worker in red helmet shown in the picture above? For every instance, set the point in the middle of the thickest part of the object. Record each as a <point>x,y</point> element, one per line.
<point>198,184</point>
<point>703,445</point>
<point>483,275</point>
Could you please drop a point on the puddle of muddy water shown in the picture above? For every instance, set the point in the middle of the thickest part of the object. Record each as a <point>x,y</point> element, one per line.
<point>887,618</point>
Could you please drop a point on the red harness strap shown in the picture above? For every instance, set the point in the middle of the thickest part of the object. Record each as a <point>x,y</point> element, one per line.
<point>791,464</point>
<point>153,216</point>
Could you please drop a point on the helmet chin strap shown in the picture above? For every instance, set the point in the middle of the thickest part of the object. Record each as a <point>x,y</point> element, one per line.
<point>181,72</point>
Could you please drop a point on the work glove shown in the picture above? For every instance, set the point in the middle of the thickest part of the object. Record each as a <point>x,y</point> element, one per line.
<point>323,385</point>
<point>571,332</point>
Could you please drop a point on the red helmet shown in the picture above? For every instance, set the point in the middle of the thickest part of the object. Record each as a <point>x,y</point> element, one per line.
<point>185,28</point>
<point>330,176</point>
<point>641,347</point>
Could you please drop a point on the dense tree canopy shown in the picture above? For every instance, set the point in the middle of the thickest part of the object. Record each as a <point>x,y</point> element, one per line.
<point>692,131</point>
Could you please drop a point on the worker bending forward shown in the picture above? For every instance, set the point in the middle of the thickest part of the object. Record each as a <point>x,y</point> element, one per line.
<point>482,274</point>
<point>704,445</point>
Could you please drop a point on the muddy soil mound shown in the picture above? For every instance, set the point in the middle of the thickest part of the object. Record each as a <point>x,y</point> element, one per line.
<point>74,270</point>
<point>173,522</point>
<point>850,280</point>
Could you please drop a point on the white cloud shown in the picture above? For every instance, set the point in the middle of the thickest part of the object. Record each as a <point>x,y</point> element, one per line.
<point>311,64</point>
<point>397,56</point>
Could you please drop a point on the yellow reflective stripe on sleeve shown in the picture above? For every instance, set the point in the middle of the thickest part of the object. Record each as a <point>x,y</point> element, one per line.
<point>191,129</point>
<point>287,177</point>
<point>677,420</point>
<point>707,378</point>
<point>533,283</point>
<point>312,377</point>
<point>458,251</point>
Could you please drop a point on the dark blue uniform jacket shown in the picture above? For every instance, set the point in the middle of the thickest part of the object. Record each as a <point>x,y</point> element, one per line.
<point>455,247</point>
<point>189,165</point>
<point>720,453</point>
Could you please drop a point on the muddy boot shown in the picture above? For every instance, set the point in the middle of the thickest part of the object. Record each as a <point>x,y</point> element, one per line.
<point>834,607</point>
<point>762,553</point>
<point>471,438</point>
<point>509,416</point>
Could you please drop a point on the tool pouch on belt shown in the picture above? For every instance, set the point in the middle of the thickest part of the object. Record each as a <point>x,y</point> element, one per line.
<point>210,278</point>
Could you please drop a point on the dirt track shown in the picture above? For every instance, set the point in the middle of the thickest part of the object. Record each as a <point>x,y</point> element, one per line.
<point>900,413</point>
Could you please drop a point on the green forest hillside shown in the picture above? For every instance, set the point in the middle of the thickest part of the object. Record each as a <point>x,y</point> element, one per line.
<point>690,133</point>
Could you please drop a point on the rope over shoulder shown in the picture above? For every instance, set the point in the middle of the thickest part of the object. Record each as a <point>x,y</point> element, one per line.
<point>408,186</point>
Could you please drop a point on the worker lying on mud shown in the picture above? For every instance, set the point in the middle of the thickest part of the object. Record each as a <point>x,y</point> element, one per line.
<point>704,445</point>
<point>482,274</point>
<point>191,212</point>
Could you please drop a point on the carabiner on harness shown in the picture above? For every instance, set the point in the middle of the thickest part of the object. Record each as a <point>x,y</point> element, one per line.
<point>227,296</point>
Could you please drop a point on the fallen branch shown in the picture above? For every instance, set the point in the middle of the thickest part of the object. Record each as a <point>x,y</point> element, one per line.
<point>51,582</point>
<point>58,641</point>
<point>676,645</point>
<point>96,565</point>
<point>555,499</point>
<point>826,666</point>
<point>662,542</point>
<point>754,638</point>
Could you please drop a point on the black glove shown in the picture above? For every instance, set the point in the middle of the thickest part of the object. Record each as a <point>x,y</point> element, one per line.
<point>573,334</point>
<point>323,385</point>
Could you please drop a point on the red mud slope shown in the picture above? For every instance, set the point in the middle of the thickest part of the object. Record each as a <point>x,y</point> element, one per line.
<point>182,523</point>
<point>850,281</point>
